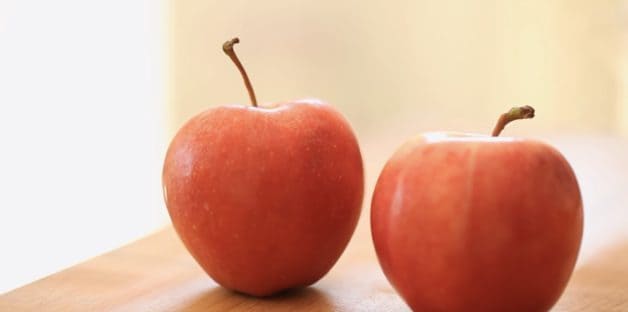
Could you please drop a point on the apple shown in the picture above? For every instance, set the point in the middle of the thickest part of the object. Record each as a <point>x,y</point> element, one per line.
<point>464,222</point>
<point>265,198</point>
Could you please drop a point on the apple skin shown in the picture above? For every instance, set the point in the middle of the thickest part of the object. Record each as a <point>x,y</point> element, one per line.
<point>265,199</point>
<point>477,223</point>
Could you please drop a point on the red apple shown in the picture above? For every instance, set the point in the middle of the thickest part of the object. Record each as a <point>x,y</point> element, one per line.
<point>477,223</point>
<point>264,198</point>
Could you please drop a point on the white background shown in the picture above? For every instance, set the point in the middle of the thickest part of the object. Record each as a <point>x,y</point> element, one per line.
<point>81,131</point>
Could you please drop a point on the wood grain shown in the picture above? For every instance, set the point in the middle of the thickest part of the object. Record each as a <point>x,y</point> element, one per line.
<point>157,274</point>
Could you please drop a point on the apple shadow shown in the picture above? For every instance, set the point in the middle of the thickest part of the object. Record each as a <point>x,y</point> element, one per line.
<point>221,299</point>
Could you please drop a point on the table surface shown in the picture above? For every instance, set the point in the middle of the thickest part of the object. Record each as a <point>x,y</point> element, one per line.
<point>157,274</point>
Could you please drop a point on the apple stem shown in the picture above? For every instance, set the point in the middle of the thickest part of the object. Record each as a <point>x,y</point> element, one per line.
<point>515,113</point>
<point>228,48</point>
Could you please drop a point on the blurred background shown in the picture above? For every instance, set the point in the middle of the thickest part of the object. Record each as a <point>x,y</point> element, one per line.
<point>91,92</point>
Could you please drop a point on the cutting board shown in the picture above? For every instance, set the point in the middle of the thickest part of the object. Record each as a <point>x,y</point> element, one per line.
<point>157,274</point>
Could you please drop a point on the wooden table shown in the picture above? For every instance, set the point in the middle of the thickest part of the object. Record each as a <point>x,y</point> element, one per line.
<point>157,274</point>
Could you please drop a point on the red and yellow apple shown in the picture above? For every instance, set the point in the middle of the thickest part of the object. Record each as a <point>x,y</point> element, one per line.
<point>477,223</point>
<point>264,198</point>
